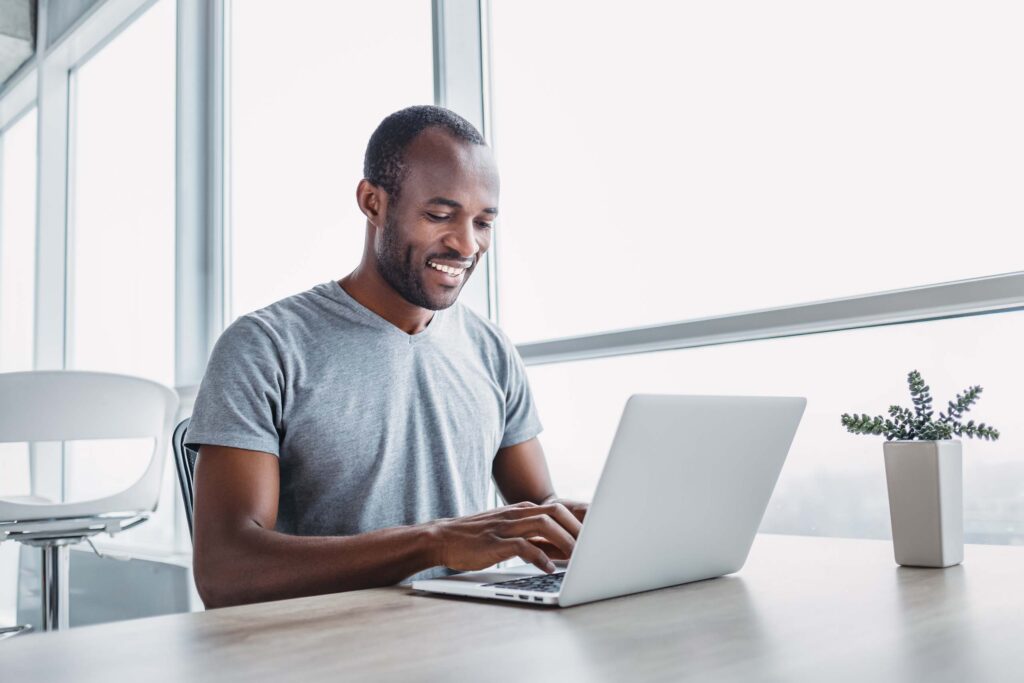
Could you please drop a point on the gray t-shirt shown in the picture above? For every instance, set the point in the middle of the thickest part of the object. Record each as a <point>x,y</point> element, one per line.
<point>373,427</point>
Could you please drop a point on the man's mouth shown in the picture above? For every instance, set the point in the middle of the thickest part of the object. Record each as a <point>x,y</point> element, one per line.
<point>454,271</point>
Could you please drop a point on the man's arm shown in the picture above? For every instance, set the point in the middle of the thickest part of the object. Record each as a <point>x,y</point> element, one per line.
<point>239,558</point>
<point>521,474</point>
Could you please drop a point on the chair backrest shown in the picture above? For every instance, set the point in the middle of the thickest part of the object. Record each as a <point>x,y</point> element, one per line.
<point>66,405</point>
<point>185,463</point>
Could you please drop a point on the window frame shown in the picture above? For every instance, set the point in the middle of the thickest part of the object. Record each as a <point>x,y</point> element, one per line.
<point>976,296</point>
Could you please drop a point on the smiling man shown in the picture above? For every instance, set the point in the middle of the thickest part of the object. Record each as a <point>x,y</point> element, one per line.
<point>348,434</point>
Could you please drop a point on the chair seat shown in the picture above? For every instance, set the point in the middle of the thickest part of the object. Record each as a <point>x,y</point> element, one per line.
<point>24,509</point>
<point>28,500</point>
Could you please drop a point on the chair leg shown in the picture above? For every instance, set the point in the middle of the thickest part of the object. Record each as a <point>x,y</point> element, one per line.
<point>11,631</point>
<point>55,585</point>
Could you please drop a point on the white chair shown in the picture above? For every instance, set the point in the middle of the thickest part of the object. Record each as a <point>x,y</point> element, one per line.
<point>66,405</point>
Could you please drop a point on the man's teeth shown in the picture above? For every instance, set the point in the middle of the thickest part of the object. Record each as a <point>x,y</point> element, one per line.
<point>446,269</point>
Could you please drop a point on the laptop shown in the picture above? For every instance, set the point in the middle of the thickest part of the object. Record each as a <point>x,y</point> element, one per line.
<point>681,496</point>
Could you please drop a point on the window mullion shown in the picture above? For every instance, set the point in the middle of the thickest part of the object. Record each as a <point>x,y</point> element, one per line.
<point>51,242</point>
<point>199,187</point>
<point>459,86</point>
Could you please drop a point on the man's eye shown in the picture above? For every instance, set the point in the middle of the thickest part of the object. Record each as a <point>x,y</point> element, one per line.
<point>485,225</point>
<point>437,216</point>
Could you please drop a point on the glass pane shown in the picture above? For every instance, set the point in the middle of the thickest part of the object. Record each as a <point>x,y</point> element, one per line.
<point>121,271</point>
<point>17,299</point>
<point>122,264</point>
<point>301,115</point>
<point>687,159</point>
<point>17,243</point>
<point>833,483</point>
<point>17,275</point>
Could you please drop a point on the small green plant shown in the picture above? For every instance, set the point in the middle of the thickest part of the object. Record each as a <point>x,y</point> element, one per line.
<point>907,425</point>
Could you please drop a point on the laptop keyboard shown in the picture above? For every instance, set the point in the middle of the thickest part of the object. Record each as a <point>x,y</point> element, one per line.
<point>543,583</point>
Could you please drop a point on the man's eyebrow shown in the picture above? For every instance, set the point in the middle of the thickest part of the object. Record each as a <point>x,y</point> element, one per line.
<point>444,201</point>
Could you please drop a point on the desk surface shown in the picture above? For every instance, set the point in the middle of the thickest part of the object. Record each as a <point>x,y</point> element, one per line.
<point>802,609</point>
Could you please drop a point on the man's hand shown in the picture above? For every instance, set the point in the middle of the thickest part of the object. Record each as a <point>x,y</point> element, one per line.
<point>526,530</point>
<point>577,508</point>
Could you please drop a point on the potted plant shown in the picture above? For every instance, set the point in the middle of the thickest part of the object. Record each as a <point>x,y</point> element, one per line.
<point>924,473</point>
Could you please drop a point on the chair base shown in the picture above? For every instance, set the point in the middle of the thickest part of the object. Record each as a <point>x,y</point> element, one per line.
<point>56,560</point>
<point>44,530</point>
<point>54,537</point>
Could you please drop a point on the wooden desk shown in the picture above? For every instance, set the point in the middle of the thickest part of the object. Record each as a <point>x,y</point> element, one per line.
<point>803,609</point>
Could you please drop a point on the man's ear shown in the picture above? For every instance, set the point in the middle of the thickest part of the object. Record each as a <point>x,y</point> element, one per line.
<point>372,201</point>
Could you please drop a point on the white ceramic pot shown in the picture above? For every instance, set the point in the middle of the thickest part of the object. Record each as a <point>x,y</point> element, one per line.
<point>925,481</point>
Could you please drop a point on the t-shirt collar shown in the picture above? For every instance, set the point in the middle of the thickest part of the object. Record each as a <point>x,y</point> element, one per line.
<point>335,291</point>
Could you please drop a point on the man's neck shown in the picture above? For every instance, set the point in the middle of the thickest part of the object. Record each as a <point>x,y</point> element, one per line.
<point>366,286</point>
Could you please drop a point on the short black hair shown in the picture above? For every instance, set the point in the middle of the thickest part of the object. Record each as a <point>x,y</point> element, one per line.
<point>384,163</point>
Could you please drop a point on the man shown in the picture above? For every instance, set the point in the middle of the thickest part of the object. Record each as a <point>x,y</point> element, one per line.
<point>347,435</point>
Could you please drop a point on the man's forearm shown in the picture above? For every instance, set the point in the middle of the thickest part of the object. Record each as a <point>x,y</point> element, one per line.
<point>259,564</point>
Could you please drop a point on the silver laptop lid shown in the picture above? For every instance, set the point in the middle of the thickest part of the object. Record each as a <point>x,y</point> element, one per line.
<point>682,493</point>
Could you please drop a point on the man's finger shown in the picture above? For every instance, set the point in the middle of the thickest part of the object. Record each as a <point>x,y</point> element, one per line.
<point>549,548</point>
<point>561,514</point>
<point>556,511</point>
<point>579,510</point>
<point>531,553</point>
<point>541,525</point>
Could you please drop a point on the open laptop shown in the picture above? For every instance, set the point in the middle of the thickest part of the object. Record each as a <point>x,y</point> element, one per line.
<point>680,499</point>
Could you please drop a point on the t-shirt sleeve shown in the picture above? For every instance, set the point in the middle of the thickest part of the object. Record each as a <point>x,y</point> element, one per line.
<point>521,420</point>
<point>240,398</point>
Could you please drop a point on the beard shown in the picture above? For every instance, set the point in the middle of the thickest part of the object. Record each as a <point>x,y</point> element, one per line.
<point>395,263</point>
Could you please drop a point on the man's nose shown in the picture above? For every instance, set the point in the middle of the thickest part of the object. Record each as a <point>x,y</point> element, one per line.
<point>463,239</point>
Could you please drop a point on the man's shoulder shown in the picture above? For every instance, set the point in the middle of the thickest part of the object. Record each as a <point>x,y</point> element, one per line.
<point>301,304</point>
<point>294,312</point>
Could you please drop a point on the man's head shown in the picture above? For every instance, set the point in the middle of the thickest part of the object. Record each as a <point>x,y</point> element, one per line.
<point>430,196</point>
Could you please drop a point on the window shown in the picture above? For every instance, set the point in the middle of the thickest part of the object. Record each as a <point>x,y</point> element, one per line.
<point>684,160</point>
<point>122,245</point>
<point>301,115</point>
<point>661,162</point>
<point>833,483</point>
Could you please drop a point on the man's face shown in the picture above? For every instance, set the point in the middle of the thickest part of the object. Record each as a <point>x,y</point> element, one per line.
<point>440,227</point>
